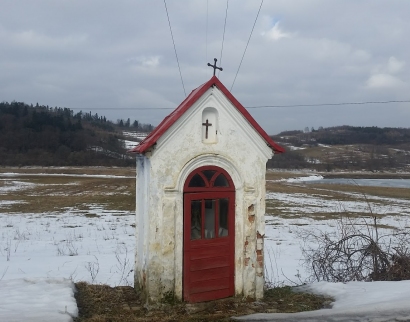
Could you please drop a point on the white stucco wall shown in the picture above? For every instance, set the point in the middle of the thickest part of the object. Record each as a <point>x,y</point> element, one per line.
<point>161,175</point>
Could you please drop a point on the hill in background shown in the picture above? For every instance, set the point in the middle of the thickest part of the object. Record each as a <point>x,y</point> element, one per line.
<point>45,136</point>
<point>344,148</point>
<point>41,135</point>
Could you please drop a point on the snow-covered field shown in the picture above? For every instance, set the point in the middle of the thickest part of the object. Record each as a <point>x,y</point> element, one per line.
<point>129,144</point>
<point>134,139</point>
<point>135,135</point>
<point>42,254</point>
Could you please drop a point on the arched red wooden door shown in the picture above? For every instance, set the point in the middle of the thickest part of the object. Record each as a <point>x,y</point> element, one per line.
<point>209,235</point>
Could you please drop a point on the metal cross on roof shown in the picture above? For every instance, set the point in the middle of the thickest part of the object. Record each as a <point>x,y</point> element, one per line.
<point>214,66</point>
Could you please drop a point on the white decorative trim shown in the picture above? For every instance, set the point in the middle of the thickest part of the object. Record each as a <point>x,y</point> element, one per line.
<point>204,160</point>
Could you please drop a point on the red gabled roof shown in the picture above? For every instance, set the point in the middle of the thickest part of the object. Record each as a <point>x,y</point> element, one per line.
<point>153,137</point>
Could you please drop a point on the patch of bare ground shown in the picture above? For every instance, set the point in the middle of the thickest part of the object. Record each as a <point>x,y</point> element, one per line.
<point>388,192</point>
<point>113,171</point>
<point>278,175</point>
<point>102,303</point>
<point>367,175</point>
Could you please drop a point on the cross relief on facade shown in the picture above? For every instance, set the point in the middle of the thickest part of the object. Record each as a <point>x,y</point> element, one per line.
<point>206,124</point>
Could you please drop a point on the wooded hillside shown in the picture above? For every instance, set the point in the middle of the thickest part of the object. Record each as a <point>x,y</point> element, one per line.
<point>40,135</point>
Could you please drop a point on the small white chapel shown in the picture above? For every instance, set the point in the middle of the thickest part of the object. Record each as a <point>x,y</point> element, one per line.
<point>200,201</point>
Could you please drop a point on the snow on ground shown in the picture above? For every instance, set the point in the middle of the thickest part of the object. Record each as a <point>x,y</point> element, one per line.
<point>295,148</point>
<point>37,300</point>
<point>6,203</point>
<point>304,179</point>
<point>136,135</point>
<point>14,185</point>
<point>354,301</point>
<point>314,177</point>
<point>129,144</point>
<point>41,254</point>
<point>93,245</point>
<point>314,161</point>
<point>357,295</point>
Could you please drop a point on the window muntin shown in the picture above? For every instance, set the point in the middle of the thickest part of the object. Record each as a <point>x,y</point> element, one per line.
<point>196,219</point>
<point>209,218</point>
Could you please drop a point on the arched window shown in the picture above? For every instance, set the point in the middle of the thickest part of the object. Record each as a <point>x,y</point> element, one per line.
<point>209,178</point>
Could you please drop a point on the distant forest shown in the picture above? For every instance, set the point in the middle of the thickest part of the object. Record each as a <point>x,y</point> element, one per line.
<point>46,136</point>
<point>341,135</point>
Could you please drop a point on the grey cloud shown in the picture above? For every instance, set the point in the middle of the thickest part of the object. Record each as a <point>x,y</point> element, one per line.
<point>106,56</point>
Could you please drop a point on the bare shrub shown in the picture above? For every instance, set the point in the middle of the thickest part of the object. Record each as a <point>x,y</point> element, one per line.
<point>124,264</point>
<point>400,268</point>
<point>93,268</point>
<point>356,251</point>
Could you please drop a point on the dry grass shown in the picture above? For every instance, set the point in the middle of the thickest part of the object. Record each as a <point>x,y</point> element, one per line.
<point>388,192</point>
<point>54,193</point>
<point>277,175</point>
<point>322,153</point>
<point>72,170</point>
<point>102,303</point>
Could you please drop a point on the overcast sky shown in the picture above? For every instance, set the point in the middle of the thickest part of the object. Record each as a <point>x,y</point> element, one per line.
<point>116,57</point>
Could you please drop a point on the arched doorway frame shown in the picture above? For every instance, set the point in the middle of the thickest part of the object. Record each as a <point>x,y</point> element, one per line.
<point>177,192</point>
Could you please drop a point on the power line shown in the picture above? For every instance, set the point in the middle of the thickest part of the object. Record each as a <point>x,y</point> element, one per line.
<point>253,107</point>
<point>206,32</point>
<point>330,104</point>
<point>223,35</point>
<point>249,39</point>
<point>175,49</point>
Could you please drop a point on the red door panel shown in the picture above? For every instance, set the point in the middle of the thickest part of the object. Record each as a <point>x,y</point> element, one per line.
<point>208,254</point>
<point>209,274</point>
<point>213,285</point>
<point>197,264</point>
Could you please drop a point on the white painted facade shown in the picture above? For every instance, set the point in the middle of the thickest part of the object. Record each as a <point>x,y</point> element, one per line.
<point>232,144</point>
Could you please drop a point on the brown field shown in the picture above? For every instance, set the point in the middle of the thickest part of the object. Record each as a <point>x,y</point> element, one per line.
<point>52,193</point>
